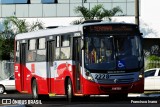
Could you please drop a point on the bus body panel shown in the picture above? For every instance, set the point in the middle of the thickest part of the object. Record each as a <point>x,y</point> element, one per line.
<point>18,80</point>
<point>38,71</point>
<point>103,89</point>
<point>17,77</point>
<point>62,70</point>
<point>52,77</point>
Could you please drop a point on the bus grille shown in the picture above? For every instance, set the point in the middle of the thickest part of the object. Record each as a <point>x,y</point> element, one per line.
<point>118,79</point>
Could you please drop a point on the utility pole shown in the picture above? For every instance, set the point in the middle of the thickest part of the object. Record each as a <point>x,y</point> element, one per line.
<point>137,12</point>
<point>82,3</point>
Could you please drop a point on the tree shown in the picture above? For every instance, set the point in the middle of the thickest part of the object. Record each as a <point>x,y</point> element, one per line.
<point>98,12</point>
<point>89,14</point>
<point>12,27</point>
<point>109,13</point>
<point>6,44</point>
<point>21,26</point>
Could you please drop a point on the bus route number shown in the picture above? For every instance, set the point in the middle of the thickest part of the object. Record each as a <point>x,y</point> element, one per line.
<point>101,76</point>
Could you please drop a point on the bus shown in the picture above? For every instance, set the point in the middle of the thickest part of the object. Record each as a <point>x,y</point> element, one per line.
<point>80,60</point>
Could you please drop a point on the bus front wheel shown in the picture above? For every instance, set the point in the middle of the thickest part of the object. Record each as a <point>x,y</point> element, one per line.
<point>69,91</point>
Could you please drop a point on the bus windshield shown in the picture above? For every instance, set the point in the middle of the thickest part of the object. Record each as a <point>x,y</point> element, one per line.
<point>112,52</point>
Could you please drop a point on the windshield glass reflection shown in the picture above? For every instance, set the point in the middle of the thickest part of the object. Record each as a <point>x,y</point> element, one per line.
<point>112,52</point>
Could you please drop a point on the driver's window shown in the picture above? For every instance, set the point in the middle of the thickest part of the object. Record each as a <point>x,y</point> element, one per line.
<point>99,50</point>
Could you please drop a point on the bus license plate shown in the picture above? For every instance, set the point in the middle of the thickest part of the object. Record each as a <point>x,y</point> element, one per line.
<point>116,88</point>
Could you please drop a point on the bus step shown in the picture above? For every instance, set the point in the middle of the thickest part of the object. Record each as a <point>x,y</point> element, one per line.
<point>52,94</point>
<point>24,91</point>
<point>78,94</point>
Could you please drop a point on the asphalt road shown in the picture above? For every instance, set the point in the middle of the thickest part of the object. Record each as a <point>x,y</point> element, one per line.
<point>94,101</point>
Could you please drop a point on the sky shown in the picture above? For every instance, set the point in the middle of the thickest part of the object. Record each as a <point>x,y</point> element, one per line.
<point>150,15</point>
<point>149,19</point>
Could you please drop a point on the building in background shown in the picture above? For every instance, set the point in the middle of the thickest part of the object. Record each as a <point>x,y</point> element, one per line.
<point>58,8</point>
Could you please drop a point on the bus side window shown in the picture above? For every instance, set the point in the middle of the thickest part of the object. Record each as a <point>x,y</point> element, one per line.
<point>65,47</point>
<point>65,40</point>
<point>41,49</point>
<point>31,55</point>
<point>17,51</point>
<point>57,41</point>
<point>57,52</point>
<point>77,50</point>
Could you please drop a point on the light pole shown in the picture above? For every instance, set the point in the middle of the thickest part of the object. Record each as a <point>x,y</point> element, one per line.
<point>137,12</point>
<point>82,2</point>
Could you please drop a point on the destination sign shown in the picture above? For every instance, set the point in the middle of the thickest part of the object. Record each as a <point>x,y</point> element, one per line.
<point>110,28</point>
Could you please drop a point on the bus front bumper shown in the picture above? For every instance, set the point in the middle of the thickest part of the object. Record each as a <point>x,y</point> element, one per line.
<point>92,88</point>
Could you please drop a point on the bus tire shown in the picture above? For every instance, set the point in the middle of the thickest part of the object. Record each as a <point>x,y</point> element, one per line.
<point>34,89</point>
<point>69,91</point>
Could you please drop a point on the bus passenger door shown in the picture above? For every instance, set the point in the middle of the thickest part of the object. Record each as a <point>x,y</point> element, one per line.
<point>50,59</point>
<point>77,58</point>
<point>22,66</point>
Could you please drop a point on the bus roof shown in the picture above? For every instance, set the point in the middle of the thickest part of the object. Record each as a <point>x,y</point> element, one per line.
<point>60,30</point>
<point>46,32</point>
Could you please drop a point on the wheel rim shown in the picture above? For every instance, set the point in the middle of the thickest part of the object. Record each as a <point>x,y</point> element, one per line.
<point>34,90</point>
<point>1,89</point>
<point>69,91</point>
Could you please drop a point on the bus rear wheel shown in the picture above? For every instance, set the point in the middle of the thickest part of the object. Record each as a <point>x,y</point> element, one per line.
<point>35,94</point>
<point>34,90</point>
<point>69,91</point>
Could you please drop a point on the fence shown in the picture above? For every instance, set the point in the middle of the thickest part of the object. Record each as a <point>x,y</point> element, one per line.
<point>6,69</point>
<point>152,64</point>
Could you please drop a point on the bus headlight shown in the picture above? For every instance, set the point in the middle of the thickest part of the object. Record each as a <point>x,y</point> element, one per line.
<point>89,76</point>
<point>141,74</point>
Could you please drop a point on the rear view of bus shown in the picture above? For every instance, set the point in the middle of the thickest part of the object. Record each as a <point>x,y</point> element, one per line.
<point>113,59</point>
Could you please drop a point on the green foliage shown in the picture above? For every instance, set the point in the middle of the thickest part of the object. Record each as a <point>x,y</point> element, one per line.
<point>84,12</point>
<point>21,25</point>
<point>13,26</point>
<point>6,48</point>
<point>153,62</point>
<point>153,58</point>
<point>98,12</point>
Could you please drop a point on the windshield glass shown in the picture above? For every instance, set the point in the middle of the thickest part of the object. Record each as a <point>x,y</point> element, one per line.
<point>112,52</point>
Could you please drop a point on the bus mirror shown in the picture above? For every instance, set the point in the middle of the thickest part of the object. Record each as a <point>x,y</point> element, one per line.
<point>82,44</point>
